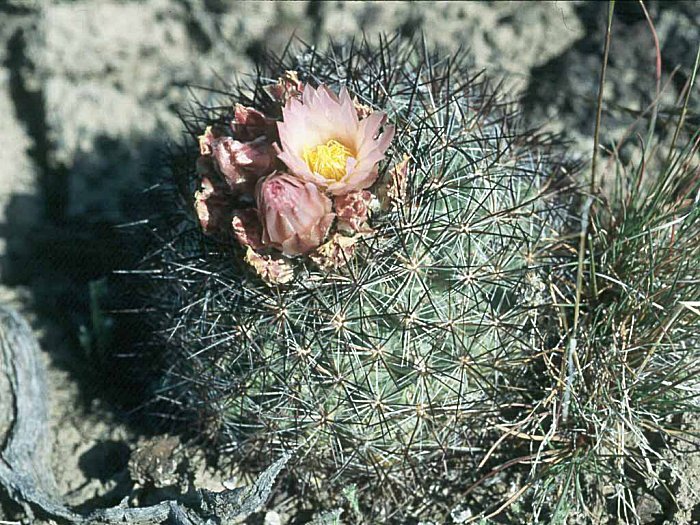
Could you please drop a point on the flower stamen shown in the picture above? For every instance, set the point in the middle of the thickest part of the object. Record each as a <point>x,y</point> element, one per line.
<point>328,160</point>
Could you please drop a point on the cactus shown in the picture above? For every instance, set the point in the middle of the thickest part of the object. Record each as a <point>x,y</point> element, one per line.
<point>393,371</point>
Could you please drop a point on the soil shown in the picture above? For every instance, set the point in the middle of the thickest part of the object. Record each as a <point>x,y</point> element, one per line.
<point>89,93</point>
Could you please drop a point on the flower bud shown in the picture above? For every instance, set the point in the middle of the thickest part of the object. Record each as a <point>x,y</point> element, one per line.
<point>295,214</point>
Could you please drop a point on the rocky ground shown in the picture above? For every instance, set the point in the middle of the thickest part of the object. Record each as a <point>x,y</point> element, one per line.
<point>89,93</point>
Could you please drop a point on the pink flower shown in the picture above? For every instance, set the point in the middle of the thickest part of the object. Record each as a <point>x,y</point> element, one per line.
<point>352,210</point>
<point>295,215</point>
<point>243,163</point>
<point>324,142</point>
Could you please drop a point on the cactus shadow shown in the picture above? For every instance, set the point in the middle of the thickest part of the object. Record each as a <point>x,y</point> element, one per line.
<point>63,261</point>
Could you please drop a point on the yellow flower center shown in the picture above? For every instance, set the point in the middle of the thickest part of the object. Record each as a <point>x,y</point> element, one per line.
<point>328,160</point>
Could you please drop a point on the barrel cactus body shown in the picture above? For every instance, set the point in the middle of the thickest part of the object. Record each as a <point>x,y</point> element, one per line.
<point>389,368</point>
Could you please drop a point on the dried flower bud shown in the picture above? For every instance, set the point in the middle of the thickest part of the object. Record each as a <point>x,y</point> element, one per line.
<point>243,163</point>
<point>210,135</point>
<point>335,253</point>
<point>249,124</point>
<point>247,228</point>
<point>272,270</point>
<point>213,206</point>
<point>352,210</point>
<point>363,110</point>
<point>288,86</point>
<point>392,190</point>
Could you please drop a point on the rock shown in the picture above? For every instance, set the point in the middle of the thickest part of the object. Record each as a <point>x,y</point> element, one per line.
<point>562,91</point>
<point>272,518</point>
<point>157,462</point>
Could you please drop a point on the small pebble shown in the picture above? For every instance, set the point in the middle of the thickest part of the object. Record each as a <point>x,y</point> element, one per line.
<point>272,518</point>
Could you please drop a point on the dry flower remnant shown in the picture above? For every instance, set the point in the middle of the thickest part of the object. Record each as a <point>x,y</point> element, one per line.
<point>289,190</point>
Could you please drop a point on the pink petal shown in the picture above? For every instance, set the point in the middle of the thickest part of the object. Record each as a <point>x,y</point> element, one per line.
<point>369,127</point>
